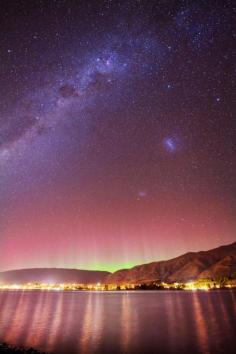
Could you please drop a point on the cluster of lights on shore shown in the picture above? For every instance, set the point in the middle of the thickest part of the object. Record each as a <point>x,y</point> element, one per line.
<point>192,286</point>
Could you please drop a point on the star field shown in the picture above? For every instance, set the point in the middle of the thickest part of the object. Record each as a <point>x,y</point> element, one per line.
<point>117,131</point>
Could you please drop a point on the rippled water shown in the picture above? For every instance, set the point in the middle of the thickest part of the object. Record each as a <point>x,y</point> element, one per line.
<point>120,322</point>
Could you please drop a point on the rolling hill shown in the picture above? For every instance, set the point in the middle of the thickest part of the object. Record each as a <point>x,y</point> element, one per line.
<point>53,275</point>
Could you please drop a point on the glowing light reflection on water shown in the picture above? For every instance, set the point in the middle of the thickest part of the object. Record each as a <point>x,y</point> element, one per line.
<point>120,322</point>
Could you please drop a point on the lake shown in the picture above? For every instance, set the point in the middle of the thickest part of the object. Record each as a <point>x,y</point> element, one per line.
<point>120,322</point>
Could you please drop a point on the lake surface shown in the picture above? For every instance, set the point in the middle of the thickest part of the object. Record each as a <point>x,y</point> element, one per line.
<point>120,322</point>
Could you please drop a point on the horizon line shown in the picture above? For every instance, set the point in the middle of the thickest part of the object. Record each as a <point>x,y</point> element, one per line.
<point>120,268</point>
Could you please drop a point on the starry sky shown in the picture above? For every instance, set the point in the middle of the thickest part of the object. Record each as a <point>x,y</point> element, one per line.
<point>117,131</point>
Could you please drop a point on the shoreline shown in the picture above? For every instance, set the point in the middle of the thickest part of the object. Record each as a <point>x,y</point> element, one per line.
<point>11,349</point>
<point>118,291</point>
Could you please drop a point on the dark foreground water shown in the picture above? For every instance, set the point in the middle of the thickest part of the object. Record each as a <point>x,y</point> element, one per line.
<point>120,322</point>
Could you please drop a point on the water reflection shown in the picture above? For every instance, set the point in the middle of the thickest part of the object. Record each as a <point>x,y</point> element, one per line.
<point>201,324</point>
<point>120,322</point>
<point>92,324</point>
<point>128,317</point>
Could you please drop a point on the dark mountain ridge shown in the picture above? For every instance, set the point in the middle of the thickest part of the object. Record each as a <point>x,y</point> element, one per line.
<point>220,261</point>
<point>217,262</point>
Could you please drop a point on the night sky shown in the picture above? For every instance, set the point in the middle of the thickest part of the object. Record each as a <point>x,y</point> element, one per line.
<point>117,131</point>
